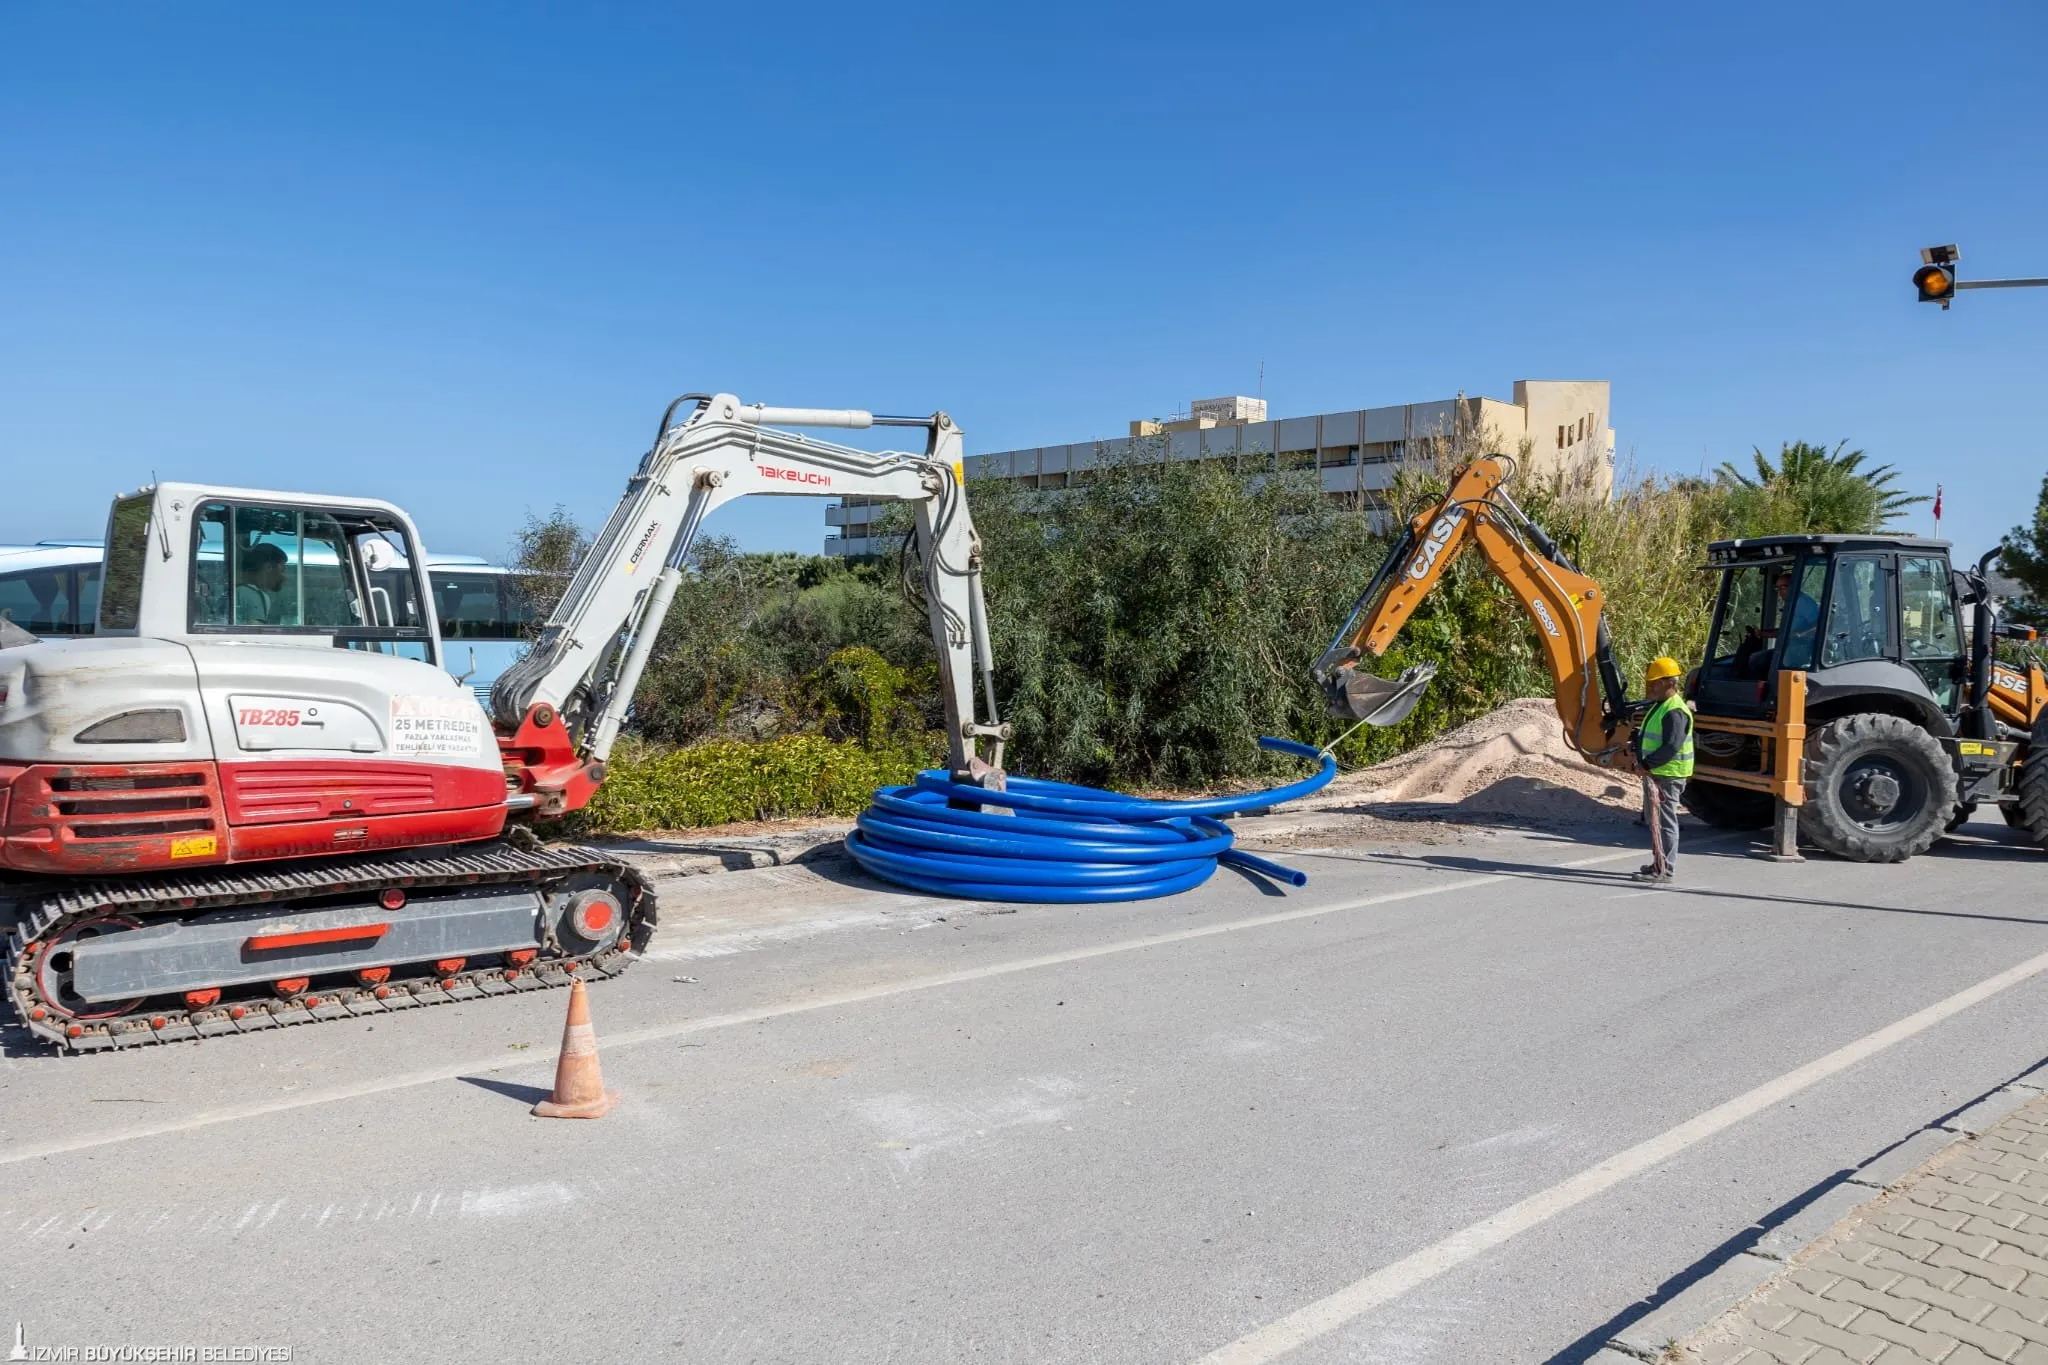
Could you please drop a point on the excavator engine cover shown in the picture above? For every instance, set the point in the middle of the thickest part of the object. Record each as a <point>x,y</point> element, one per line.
<point>1376,701</point>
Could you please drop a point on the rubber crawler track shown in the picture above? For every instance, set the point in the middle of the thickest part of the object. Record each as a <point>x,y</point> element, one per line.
<point>41,919</point>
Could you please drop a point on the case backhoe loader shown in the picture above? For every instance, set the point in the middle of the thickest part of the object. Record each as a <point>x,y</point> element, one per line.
<point>1837,680</point>
<point>252,799</point>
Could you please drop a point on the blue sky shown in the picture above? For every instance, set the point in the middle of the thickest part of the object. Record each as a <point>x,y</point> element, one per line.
<point>461,255</point>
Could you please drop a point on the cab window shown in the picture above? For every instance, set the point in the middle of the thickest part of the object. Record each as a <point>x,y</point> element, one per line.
<point>1799,616</point>
<point>1741,621</point>
<point>1928,634</point>
<point>1927,609</point>
<point>1860,614</point>
<point>302,571</point>
<point>127,544</point>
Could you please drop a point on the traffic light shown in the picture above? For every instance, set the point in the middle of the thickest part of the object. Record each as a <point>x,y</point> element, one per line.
<point>1936,283</point>
<point>1936,280</point>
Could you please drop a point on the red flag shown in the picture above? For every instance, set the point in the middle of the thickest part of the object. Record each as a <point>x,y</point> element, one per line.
<point>1937,502</point>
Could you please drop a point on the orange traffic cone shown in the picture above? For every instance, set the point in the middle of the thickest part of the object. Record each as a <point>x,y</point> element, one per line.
<point>579,1084</point>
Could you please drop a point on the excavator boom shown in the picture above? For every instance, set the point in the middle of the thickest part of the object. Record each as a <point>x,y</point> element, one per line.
<point>1565,606</point>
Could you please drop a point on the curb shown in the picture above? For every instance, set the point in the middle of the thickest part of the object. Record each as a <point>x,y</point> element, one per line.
<point>1772,1250</point>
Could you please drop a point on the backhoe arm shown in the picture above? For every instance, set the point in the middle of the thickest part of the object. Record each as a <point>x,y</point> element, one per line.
<point>559,709</point>
<point>1565,606</point>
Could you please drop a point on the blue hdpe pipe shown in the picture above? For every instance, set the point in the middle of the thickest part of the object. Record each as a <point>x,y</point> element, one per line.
<point>1064,844</point>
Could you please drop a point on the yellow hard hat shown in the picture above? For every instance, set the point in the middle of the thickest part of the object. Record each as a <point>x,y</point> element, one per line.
<point>1661,667</point>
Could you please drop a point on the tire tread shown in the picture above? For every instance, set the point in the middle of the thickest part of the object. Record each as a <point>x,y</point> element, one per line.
<point>1820,819</point>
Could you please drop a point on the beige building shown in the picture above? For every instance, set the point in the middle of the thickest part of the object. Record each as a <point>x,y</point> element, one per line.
<point>1563,421</point>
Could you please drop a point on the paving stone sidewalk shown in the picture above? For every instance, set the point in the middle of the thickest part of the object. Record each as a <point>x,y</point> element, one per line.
<point>1949,1267</point>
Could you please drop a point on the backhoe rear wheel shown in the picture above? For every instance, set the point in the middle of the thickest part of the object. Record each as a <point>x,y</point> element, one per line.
<point>1879,789</point>
<point>2032,807</point>
<point>1726,807</point>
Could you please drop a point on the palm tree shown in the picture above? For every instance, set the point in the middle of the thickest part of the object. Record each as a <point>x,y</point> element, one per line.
<point>1818,489</point>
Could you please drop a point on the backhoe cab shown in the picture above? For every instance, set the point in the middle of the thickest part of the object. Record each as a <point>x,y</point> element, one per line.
<point>1910,720</point>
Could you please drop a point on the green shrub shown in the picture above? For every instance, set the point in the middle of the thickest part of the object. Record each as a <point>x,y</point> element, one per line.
<point>717,782</point>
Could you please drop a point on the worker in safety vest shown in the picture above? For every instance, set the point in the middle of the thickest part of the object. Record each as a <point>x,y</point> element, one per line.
<point>1663,747</point>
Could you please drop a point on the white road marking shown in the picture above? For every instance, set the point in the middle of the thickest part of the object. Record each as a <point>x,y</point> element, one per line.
<point>1389,1282</point>
<point>37,1151</point>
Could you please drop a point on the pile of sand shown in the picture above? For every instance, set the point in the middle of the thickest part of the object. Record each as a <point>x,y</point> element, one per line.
<point>1512,764</point>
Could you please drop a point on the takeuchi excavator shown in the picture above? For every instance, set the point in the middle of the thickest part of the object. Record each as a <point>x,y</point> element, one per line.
<point>1840,697</point>
<point>253,797</point>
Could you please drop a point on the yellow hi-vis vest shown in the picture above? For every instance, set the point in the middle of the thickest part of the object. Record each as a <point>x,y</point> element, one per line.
<point>1653,737</point>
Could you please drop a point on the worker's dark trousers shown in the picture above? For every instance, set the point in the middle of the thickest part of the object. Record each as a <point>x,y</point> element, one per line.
<point>1669,790</point>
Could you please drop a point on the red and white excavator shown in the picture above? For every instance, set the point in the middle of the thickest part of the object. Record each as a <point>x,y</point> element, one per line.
<point>254,798</point>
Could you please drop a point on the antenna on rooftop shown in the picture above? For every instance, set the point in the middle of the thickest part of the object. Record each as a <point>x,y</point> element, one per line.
<point>1262,380</point>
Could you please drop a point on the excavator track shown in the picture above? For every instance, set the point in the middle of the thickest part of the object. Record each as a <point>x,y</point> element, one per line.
<point>44,916</point>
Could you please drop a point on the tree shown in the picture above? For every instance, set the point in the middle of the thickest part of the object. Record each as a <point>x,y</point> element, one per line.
<point>1811,488</point>
<point>544,552</point>
<point>2024,555</point>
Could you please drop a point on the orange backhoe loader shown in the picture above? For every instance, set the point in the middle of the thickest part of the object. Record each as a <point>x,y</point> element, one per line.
<point>1839,692</point>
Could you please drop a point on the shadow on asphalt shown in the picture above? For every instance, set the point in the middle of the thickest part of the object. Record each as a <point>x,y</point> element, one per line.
<point>1589,877</point>
<point>735,857</point>
<point>1266,885</point>
<point>528,1095</point>
<point>17,1041</point>
<point>1590,1345</point>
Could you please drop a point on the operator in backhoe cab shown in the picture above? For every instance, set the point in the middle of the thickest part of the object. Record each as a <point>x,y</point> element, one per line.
<point>1663,748</point>
<point>1800,616</point>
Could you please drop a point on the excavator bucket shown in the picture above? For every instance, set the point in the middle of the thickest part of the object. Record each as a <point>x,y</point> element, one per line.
<point>1376,701</point>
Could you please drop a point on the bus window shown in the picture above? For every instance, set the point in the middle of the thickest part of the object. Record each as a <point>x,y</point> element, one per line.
<point>471,606</point>
<point>39,601</point>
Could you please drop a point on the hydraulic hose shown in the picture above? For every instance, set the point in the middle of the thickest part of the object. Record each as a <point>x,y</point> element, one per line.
<point>1060,843</point>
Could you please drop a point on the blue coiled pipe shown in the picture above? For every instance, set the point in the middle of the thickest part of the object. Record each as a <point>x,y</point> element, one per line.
<point>1065,844</point>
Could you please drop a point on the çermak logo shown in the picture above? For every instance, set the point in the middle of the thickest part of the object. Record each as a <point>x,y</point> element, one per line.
<point>810,476</point>
<point>20,1351</point>
<point>1543,615</point>
<point>1439,536</point>
<point>646,539</point>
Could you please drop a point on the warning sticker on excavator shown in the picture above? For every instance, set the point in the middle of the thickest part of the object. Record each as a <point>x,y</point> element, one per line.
<point>436,727</point>
<point>202,846</point>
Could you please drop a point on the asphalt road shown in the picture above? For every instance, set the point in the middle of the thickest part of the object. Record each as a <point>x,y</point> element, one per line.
<point>864,1126</point>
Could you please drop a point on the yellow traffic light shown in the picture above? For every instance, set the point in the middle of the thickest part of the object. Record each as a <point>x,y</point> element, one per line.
<point>1936,283</point>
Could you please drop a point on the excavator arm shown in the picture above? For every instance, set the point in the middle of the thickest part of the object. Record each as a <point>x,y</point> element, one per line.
<point>1564,605</point>
<point>559,710</point>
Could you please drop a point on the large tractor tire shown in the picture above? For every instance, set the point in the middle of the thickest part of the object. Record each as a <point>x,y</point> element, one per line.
<point>1879,789</point>
<point>1726,807</point>
<point>2032,807</point>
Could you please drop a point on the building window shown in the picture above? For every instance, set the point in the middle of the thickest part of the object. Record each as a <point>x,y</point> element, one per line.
<point>1338,457</point>
<point>1297,459</point>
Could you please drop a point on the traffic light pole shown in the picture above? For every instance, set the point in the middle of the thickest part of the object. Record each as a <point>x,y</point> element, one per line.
<point>2001,284</point>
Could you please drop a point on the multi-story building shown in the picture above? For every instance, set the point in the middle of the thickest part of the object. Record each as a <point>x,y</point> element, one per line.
<point>1563,423</point>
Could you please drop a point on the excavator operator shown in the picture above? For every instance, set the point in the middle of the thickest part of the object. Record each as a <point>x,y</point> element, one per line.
<point>259,597</point>
<point>1664,749</point>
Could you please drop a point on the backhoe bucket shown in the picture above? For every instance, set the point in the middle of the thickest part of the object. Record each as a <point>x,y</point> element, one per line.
<point>1376,701</point>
